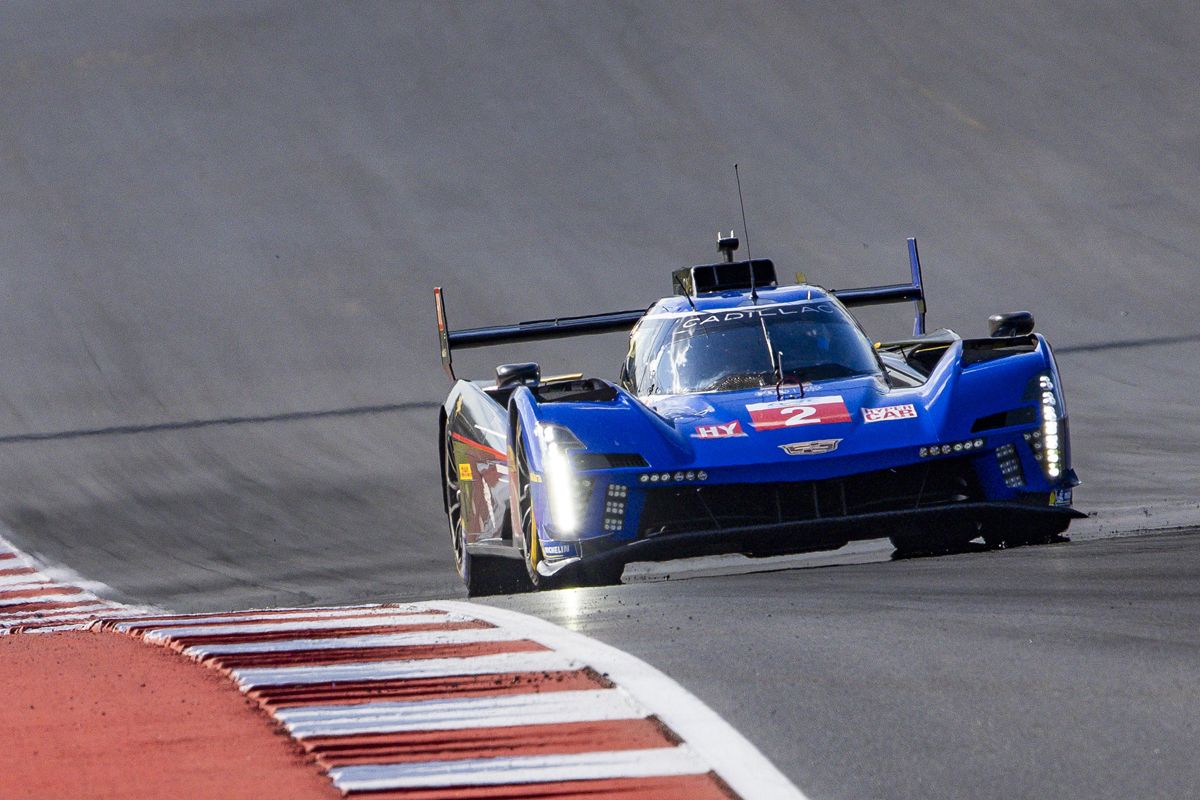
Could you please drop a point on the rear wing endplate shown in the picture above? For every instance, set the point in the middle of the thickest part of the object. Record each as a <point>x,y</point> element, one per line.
<point>896,293</point>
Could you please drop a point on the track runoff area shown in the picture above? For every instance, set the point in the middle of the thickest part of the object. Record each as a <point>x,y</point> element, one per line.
<point>421,701</point>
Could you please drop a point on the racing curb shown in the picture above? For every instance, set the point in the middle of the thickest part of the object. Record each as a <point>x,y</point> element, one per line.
<point>441,700</point>
<point>434,700</point>
<point>35,598</point>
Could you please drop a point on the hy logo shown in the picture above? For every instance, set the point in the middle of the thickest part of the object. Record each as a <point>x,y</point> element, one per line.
<point>813,448</point>
<point>719,431</point>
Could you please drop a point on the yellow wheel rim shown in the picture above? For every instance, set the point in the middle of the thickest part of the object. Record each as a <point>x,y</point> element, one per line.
<point>534,542</point>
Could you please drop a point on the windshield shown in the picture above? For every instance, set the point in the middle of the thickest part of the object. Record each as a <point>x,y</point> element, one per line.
<point>728,349</point>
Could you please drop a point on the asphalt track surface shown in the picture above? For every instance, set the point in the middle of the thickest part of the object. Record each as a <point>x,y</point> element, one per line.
<point>1059,671</point>
<point>220,225</point>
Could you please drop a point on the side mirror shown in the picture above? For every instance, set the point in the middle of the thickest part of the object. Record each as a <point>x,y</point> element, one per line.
<point>1012,323</point>
<point>510,374</point>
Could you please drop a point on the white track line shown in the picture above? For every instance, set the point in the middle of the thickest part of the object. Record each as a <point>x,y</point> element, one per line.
<point>466,636</point>
<point>184,633</point>
<point>657,762</point>
<point>541,661</point>
<point>593,705</point>
<point>734,759</point>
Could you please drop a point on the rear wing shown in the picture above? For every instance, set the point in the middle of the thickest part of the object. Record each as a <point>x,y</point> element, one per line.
<point>534,330</point>
<point>895,293</point>
<point>562,327</point>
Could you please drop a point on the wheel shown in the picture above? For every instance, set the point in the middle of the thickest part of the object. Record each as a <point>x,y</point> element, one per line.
<point>525,522</point>
<point>481,575</point>
<point>1022,532</point>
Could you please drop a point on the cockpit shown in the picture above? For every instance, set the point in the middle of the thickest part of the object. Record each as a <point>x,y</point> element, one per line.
<point>746,348</point>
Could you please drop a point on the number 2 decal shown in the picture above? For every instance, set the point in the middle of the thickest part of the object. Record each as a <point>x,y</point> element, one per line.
<point>806,411</point>
<point>798,415</point>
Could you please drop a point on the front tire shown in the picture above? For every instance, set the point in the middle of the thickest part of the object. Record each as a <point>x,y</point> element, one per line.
<point>525,521</point>
<point>481,575</point>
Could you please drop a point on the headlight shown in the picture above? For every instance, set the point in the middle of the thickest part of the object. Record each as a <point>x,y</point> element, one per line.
<point>557,444</point>
<point>1048,442</point>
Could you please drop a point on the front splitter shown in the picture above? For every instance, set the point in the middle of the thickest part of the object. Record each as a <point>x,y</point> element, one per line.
<point>786,538</point>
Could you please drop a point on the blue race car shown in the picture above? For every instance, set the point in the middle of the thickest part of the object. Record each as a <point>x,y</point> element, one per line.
<point>755,418</point>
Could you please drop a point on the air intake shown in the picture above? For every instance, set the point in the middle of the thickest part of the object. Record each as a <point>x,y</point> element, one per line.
<point>724,277</point>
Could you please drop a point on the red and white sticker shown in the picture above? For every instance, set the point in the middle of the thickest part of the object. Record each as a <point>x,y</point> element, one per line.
<point>805,411</point>
<point>719,431</point>
<point>906,411</point>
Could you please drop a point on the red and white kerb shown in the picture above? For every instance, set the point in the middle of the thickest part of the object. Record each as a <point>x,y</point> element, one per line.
<point>36,598</point>
<point>448,700</point>
<point>440,700</point>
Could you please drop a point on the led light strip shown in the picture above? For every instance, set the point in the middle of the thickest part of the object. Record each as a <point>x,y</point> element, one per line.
<point>676,477</point>
<point>1051,456</point>
<point>948,449</point>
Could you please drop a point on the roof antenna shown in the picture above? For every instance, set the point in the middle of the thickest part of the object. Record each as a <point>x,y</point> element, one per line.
<point>745,230</point>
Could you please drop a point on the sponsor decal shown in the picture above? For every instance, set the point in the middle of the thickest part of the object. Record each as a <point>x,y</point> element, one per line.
<point>464,472</point>
<point>813,448</point>
<point>804,411</point>
<point>1060,497</point>
<point>557,549</point>
<point>719,431</point>
<point>906,411</point>
<point>458,437</point>
<point>701,320</point>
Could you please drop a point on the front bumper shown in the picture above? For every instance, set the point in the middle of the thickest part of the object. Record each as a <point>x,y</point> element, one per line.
<point>604,555</point>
